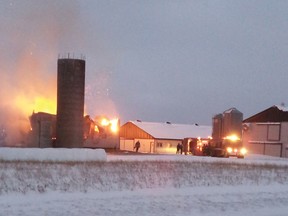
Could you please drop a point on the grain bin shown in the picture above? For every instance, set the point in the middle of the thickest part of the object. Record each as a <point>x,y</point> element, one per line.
<point>70,102</point>
<point>217,127</point>
<point>232,123</point>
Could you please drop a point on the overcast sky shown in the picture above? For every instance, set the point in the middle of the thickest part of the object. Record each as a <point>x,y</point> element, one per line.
<point>155,60</point>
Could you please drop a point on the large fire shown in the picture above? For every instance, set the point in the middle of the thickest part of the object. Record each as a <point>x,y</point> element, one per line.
<point>45,105</point>
<point>112,123</point>
<point>36,104</point>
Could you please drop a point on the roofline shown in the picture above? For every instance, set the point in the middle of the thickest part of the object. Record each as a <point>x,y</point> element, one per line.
<point>247,119</point>
<point>170,123</point>
<point>168,139</point>
<point>141,129</point>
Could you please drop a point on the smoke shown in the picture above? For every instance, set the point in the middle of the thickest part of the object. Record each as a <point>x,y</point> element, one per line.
<point>98,100</point>
<point>35,32</point>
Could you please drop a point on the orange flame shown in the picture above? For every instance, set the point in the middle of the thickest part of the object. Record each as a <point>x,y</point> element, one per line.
<point>113,124</point>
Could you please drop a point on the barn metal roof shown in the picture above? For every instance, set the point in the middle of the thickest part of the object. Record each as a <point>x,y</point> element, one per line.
<point>272,114</point>
<point>169,130</point>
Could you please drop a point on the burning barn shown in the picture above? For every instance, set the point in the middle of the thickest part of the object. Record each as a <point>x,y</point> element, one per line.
<point>101,133</point>
<point>98,133</point>
<point>70,128</point>
<point>43,130</point>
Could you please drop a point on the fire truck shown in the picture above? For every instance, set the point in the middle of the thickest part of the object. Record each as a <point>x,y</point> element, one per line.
<point>230,146</point>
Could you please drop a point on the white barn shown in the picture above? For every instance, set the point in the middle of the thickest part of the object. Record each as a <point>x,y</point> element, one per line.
<point>158,137</point>
<point>267,132</point>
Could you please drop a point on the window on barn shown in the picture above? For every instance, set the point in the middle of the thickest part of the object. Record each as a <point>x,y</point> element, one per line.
<point>273,132</point>
<point>159,144</point>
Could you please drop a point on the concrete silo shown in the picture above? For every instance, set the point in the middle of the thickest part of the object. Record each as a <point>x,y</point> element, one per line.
<point>70,102</point>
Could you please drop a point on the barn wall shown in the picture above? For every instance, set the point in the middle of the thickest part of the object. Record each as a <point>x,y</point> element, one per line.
<point>43,131</point>
<point>126,144</point>
<point>273,149</point>
<point>266,138</point>
<point>284,138</point>
<point>158,146</point>
<point>166,146</point>
<point>146,145</point>
<point>130,133</point>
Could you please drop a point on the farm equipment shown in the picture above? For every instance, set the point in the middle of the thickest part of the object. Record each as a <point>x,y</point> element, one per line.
<point>226,137</point>
<point>230,146</point>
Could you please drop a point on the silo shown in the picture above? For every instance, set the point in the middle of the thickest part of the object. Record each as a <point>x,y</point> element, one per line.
<point>217,127</point>
<point>232,122</point>
<point>70,102</point>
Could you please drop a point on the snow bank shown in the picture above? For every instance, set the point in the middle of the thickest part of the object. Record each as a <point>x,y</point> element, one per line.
<point>41,177</point>
<point>24,170</point>
<point>52,154</point>
<point>252,159</point>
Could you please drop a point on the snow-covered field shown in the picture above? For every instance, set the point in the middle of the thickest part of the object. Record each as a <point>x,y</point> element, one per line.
<point>139,184</point>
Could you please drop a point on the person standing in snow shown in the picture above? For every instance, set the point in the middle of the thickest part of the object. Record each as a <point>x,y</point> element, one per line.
<point>181,148</point>
<point>178,148</point>
<point>137,146</point>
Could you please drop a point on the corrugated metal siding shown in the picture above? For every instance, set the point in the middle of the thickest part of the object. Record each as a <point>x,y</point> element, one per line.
<point>131,131</point>
<point>265,138</point>
<point>270,149</point>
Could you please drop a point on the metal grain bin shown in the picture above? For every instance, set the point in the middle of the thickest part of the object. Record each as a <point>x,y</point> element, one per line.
<point>217,127</point>
<point>232,122</point>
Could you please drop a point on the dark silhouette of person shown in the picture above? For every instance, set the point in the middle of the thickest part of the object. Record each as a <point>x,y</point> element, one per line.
<point>178,148</point>
<point>137,146</point>
<point>181,148</point>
